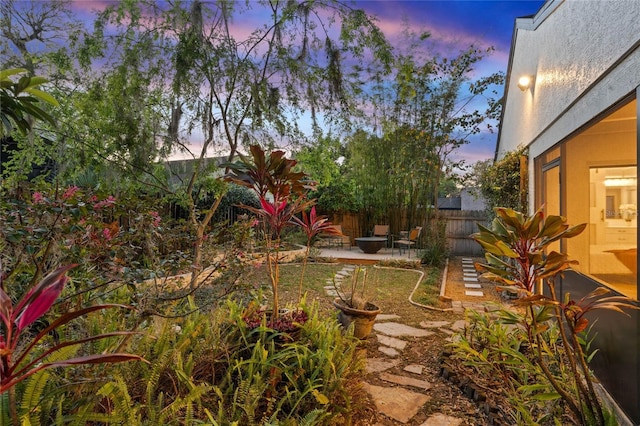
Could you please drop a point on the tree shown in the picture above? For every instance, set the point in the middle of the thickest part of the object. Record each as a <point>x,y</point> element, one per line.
<point>427,113</point>
<point>237,88</point>
<point>501,182</point>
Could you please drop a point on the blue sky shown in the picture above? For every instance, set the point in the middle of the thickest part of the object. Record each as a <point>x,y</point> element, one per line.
<point>454,25</point>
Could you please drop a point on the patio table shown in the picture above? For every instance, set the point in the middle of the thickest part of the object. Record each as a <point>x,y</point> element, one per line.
<point>370,245</point>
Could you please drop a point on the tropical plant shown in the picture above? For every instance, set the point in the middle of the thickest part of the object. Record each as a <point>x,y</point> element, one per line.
<point>22,355</point>
<point>501,183</point>
<point>282,193</point>
<point>517,254</point>
<point>19,101</point>
<point>312,225</point>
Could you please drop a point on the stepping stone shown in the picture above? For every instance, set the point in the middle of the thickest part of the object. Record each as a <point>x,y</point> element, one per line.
<point>470,279</point>
<point>470,274</point>
<point>459,325</point>
<point>467,285</point>
<point>442,420</point>
<point>331,292</point>
<point>469,271</point>
<point>467,259</point>
<point>376,365</point>
<point>434,324</point>
<point>388,351</point>
<point>414,368</point>
<point>392,342</point>
<point>405,381</point>
<point>474,293</point>
<point>398,403</point>
<point>396,330</point>
<point>349,268</point>
<point>387,317</point>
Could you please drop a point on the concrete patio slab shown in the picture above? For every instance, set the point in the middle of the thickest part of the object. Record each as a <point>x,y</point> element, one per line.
<point>442,420</point>
<point>406,381</point>
<point>398,403</point>
<point>388,351</point>
<point>377,365</point>
<point>392,342</point>
<point>435,324</point>
<point>387,317</point>
<point>414,368</point>
<point>397,330</point>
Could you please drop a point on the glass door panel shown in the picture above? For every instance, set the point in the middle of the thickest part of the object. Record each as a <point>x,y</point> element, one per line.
<point>614,223</point>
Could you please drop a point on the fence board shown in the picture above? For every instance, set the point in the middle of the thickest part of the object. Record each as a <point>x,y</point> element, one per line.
<point>460,225</point>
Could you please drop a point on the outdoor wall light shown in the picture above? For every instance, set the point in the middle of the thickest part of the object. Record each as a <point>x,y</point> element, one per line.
<point>524,82</point>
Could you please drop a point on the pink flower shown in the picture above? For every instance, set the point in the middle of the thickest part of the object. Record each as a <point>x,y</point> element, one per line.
<point>106,233</point>
<point>156,218</point>
<point>109,201</point>
<point>70,192</point>
<point>38,198</point>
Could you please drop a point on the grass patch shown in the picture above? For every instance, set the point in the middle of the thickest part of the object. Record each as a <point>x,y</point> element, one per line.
<point>429,291</point>
<point>386,287</point>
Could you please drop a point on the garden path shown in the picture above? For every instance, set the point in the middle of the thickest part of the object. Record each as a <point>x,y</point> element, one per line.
<point>403,386</point>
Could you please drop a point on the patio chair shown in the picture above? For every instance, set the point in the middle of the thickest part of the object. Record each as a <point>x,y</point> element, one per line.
<point>333,240</point>
<point>381,231</point>
<point>408,241</point>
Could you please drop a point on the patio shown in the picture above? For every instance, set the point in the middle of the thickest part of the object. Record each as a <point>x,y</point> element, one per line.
<point>356,256</point>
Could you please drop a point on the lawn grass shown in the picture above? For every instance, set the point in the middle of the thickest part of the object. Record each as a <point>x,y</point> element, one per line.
<point>390,288</point>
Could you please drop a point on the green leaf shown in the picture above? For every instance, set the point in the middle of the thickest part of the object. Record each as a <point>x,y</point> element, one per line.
<point>550,396</point>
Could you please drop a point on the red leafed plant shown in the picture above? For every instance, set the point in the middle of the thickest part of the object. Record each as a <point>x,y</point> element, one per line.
<point>18,358</point>
<point>312,225</point>
<point>518,253</point>
<point>282,192</point>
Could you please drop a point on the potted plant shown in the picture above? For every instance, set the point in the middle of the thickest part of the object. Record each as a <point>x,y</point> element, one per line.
<point>354,309</point>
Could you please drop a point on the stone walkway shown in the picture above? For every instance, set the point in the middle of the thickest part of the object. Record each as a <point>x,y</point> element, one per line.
<point>408,392</point>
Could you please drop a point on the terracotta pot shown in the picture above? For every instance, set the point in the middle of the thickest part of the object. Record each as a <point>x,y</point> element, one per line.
<point>362,319</point>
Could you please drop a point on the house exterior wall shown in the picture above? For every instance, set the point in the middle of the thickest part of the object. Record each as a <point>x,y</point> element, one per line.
<point>585,57</point>
<point>580,65</point>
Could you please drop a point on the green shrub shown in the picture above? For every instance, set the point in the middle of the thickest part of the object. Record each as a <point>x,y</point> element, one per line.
<point>212,368</point>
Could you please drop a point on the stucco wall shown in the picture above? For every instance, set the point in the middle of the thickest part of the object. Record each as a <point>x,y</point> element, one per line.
<point>584,57</point>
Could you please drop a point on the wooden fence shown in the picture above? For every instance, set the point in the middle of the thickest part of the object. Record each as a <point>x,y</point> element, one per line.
<point>460,225</point>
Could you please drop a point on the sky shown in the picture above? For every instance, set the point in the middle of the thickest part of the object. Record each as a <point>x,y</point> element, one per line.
<point>454,25</point>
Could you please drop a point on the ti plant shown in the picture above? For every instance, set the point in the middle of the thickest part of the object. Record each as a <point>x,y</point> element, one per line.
<point>312,224</point>
<point>518,256</point>
<point>282,193</point>
<point>22,354</point>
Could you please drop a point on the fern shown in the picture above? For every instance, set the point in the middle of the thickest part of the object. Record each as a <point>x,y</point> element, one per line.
<point>4,409</point>
<point>116,391</point>
<point>30,409</point>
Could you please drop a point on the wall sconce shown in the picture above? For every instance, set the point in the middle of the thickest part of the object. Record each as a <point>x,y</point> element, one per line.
<point>524,82</point>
